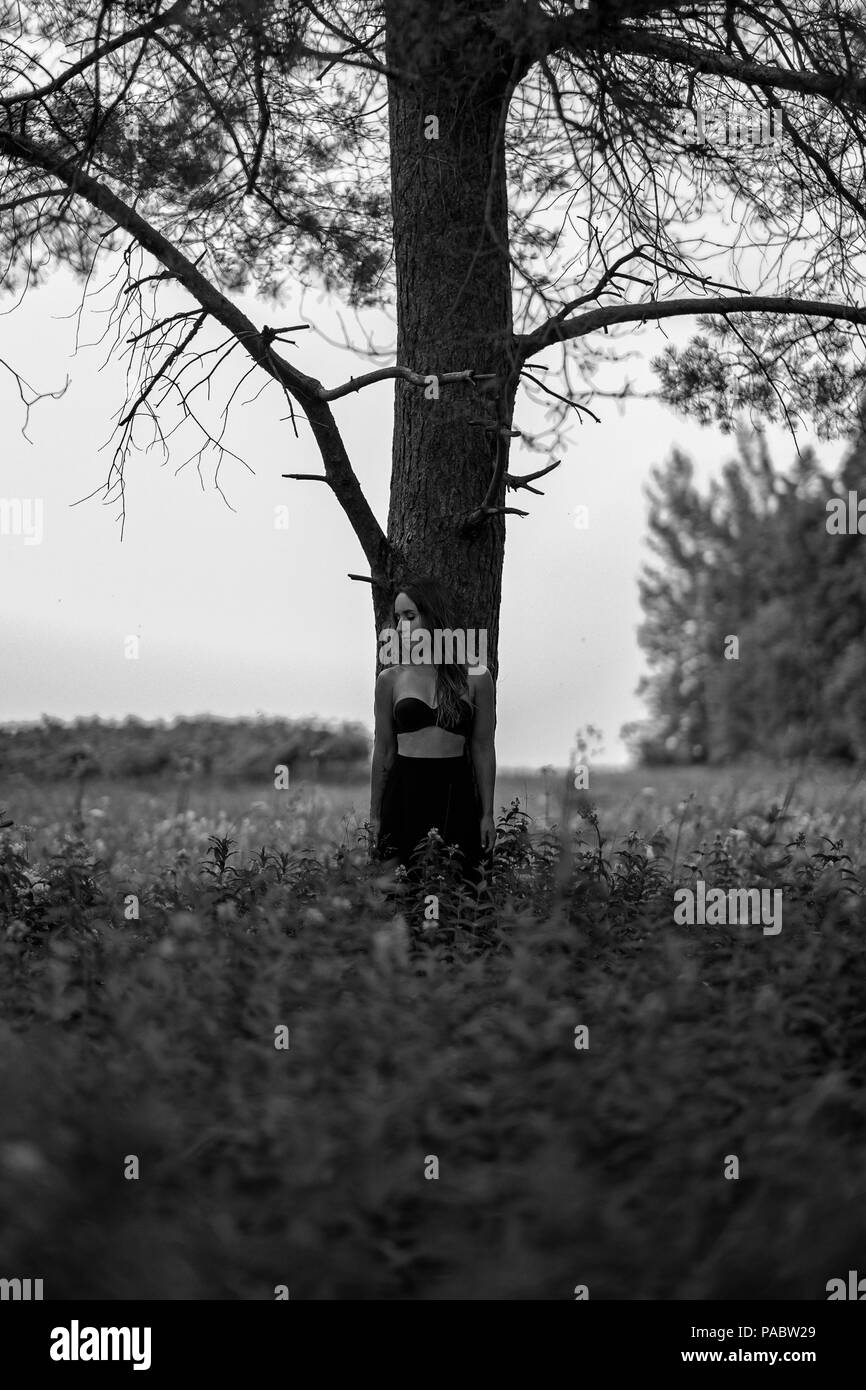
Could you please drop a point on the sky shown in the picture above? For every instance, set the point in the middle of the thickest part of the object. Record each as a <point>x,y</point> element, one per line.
<point>233,615</point>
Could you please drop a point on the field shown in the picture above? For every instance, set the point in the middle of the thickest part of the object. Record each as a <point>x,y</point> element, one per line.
<point>237,1060</point>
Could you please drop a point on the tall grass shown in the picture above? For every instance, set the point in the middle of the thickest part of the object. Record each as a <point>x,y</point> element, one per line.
<point>413,1039</point>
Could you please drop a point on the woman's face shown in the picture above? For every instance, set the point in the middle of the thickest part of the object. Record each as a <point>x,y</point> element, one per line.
<point>406,613</point>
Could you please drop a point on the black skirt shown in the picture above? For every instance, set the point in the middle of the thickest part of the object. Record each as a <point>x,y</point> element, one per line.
<point>431,793</point>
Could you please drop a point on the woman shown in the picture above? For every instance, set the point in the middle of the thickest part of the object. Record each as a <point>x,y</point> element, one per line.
<point>434,764</point>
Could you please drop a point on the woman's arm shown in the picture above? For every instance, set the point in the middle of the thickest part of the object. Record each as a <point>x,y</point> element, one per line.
<point>483,751</point>
<point>384,744</point>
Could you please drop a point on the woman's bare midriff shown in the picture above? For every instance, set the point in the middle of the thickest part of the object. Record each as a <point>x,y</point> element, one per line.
<point>430,743</point>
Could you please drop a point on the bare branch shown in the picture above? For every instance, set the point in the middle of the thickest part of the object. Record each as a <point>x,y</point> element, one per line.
<point>558,395</point>
<point>357,383</point>
<point>483,512</point>
<point>306,390</point>
<point>33,198</point>
<point>518,480</point>
<point>175,353</point>
<point>369,579</point>
<point>28,403</point>
<point>556,332</point>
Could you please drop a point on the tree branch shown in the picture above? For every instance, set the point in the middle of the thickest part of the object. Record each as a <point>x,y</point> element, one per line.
<point>518,480</point>
<point>370,579</point>
<point>645,43</point>
<point>32,198</point>
<point>306,390</point>
<point>557,331</point>
<point>484,512</point>
<point>35,395</point>
<point>175,15</point>
<point>357,383</point>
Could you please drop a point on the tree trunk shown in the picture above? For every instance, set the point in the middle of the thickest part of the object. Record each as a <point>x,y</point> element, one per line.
<point>453,302</point>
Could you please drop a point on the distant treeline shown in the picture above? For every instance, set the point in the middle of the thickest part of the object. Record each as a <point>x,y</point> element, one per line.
<point>755,615</point>
<point>204,746</point>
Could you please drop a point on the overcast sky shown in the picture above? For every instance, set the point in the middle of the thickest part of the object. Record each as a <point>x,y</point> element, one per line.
<point>235,616</point>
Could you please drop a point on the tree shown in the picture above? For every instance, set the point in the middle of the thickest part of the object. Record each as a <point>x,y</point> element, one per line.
<point>516,177</point>
<point>753,560</point>
<point>678,629</point>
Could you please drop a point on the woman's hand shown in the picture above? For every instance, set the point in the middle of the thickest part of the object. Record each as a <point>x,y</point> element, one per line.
<point>488,833</point>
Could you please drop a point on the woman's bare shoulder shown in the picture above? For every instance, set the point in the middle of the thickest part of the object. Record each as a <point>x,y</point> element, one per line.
<point>385,684</point>
<point>480,681</point>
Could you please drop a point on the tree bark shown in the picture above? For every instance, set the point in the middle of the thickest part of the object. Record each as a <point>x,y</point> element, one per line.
<point>454,311</point>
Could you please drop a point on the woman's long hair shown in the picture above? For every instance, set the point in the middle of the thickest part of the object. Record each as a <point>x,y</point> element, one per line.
<point>437,608</point>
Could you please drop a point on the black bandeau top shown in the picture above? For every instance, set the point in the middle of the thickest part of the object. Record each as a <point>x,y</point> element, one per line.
<point>411,714</point>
